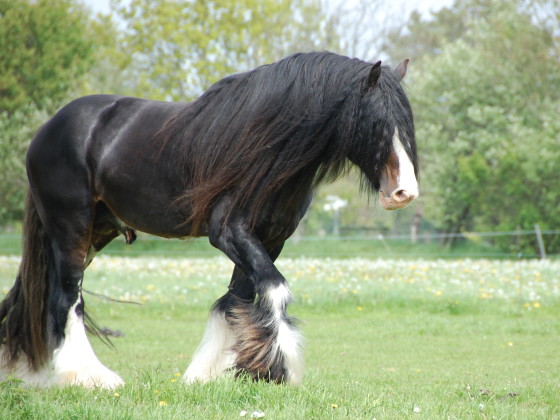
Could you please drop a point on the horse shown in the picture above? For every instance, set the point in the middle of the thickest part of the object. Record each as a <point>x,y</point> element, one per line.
<point>238,165</point>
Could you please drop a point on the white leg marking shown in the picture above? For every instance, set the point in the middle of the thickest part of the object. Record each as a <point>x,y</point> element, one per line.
<point>75,362</point>
<point>290,344</point>
<point>289,339</point>
<point>215,354</point>
<point>406,179</point>
<point>277,299</point>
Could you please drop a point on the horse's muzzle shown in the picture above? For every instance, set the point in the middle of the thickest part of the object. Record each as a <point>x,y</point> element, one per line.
<point>398,199</point>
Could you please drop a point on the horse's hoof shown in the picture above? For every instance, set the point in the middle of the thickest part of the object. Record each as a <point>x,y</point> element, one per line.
<point>92,378</point>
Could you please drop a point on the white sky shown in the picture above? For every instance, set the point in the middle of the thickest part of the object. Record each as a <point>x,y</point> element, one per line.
<point>393,8</point>
<point>423,6</point>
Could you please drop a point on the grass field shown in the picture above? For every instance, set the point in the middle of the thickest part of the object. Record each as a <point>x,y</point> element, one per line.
<point>385,339</point>
<point>319,247</point>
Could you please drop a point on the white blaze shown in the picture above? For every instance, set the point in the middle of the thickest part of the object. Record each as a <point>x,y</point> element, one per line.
<point>406,179</point>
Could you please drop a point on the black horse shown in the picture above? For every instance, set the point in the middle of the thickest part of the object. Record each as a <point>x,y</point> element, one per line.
<point>238,165</point>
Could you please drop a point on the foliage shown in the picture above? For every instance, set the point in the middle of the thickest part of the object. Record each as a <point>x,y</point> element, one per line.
<point>174,49</point>
<point>422,36</point>
<point>486,107</point>
<point>16,130</point>
<point>45,48</point>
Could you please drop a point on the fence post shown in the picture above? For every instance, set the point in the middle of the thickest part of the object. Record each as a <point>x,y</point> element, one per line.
<point>415,226</point>
<point>540,241</point>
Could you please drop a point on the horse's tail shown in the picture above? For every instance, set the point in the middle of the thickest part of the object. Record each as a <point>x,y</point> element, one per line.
<point>23,312</point>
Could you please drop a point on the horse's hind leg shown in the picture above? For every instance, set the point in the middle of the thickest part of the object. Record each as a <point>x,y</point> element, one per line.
<point>267,344</point>
<point>74,360</point>
<point>63,200</point>
<point>216,352</point>
<point>42,319</point>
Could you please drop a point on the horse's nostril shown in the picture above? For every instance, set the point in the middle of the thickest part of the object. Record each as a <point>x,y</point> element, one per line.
<point>401,195</point>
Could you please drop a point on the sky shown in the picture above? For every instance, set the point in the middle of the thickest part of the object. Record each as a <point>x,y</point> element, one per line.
<point>395,8</point>
<point>424,6</point>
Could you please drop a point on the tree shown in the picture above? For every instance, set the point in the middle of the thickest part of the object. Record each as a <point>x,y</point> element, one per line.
<point>422,36</point>
<point>45,47</point>
<point>486,110</point>
<point>174,49</point>
<point>15,132</point>
<point>360,27</point>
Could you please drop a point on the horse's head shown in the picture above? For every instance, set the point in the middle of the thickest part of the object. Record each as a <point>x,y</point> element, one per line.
<point>397,183</point>
<point>386,150</point>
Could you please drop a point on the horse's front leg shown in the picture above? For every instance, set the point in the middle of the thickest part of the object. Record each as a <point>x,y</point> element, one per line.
<point>266,343</point>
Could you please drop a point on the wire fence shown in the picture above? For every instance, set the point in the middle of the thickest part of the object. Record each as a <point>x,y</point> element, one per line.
<point>361,244</point>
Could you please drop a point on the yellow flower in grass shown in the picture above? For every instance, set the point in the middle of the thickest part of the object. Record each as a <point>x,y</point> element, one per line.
<point>162,403</point>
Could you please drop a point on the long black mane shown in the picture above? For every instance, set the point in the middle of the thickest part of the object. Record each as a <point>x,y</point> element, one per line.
<point>287,125</point>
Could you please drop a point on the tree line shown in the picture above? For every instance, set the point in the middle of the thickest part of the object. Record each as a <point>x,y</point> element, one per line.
<point>483,83</point>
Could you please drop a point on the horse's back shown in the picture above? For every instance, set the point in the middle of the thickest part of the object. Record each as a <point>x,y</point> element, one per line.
<point>56,159</point>
<point>93,129</point>
<point>103,148</point>
<point>79,120</point>
<point>63,138</point>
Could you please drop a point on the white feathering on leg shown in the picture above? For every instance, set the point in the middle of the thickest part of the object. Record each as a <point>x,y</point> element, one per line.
<point>289,343</point>
<point>289,340</point>
<point>214,354</point>
<point>75,363</point>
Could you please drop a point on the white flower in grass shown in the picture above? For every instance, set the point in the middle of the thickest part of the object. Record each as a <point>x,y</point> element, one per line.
<point>416,409</point>
<point>254,415</point>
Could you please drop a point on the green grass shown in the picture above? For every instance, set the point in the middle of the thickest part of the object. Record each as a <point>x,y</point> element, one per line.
<point>464,339</point>
<point>329,246</point>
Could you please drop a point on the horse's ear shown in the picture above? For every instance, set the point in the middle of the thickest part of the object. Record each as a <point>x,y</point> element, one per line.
<point>374,74</point>
<point>400,71</point>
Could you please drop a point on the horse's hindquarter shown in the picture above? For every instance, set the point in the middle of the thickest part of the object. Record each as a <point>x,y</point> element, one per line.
<point>131,173</point>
